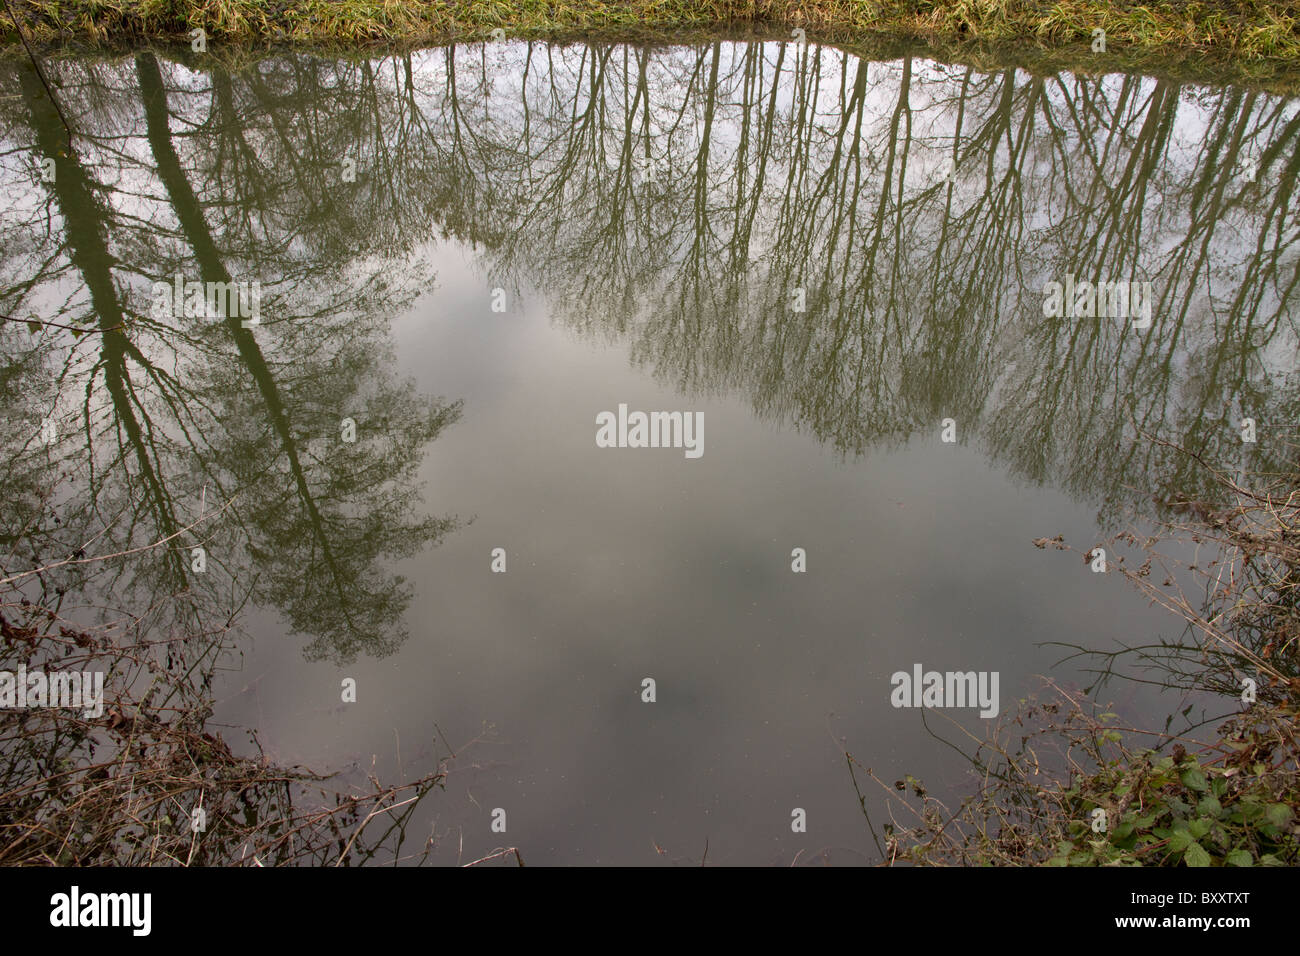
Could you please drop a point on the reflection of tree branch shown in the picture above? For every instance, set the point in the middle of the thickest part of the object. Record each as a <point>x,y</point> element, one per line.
<point>58,325</point>
<point>118,554</point>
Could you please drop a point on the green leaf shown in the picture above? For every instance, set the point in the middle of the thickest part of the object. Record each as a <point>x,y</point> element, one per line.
<point>1239,858</point>
<point>1250,811</point>
<point>1195,855</point>
<point>1279,814</point>
<point>1180,841</point>
<point>1210,807</point>
<point>1198,828</point>
<point>1194,779</point>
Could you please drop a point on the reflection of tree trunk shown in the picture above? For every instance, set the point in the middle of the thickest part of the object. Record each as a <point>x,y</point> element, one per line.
<point>1262,270</point>
<point>904,85</point>
<point>84,232</point>
<point>748,204</point>
<point>694,265</point>
<point>212,269</point>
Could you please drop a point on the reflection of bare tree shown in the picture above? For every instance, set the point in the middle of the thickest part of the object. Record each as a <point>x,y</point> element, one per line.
<point>199,413</point>
<point>754,218</point>
<point>823,180</point>
<point>326,573</point>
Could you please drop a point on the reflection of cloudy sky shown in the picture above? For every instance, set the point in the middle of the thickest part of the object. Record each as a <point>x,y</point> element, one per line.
<point>632,563</point>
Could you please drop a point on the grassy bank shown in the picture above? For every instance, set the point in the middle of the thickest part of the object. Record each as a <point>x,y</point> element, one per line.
<point>1240,30</point>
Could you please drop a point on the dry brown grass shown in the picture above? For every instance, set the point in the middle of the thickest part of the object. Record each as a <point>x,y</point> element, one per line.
<point>1244,30</point>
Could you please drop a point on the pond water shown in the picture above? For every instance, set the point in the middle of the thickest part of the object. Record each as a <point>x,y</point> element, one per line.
<point>454,261</point>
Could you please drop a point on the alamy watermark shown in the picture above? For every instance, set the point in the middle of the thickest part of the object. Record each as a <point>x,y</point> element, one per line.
<point>651,430</point>
<point>208,300</point>
<point>950,689</point>
<point>1100,300</point>
<point>75,908</point>
<point>35,688</point>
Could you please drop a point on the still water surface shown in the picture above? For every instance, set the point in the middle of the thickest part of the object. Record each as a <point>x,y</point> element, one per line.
<point>472,252</point>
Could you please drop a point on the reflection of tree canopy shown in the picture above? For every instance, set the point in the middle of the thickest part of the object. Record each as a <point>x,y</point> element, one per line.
<point>160,418</point>
<point>675,199</point>
<point>781,171</point>
<point>773,170</point>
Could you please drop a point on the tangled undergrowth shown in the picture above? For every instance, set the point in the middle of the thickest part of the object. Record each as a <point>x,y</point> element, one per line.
<point>148,781</point>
